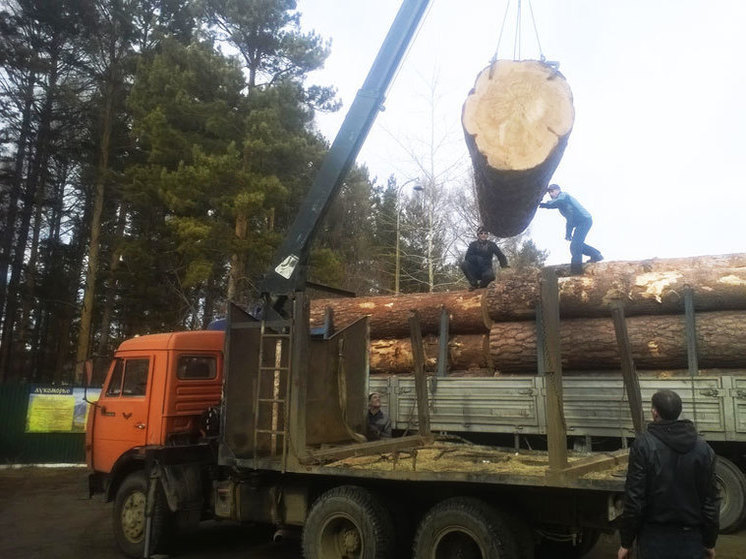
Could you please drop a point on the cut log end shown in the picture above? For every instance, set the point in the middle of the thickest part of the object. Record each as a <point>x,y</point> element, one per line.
<point>518,112</point>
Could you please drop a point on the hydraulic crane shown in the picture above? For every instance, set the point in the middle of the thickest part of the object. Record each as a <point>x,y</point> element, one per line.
<point>288,272</point>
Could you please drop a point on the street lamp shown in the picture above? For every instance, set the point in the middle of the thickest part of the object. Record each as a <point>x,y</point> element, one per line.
<point>417,188</point>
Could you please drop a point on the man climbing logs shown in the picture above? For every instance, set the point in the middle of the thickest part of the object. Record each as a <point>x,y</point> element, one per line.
<point>477,264</point>
<point>578,224</point>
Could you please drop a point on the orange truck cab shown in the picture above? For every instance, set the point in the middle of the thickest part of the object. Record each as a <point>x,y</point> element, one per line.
<point>158,392</point>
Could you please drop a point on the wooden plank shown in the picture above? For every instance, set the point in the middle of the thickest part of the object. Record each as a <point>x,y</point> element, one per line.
<point>556,428</point>
<point>629,373</point>
<point>418,354</point>
<point>443,337</point>
<point>363,449</point>
<point>597,463</point>
<point>298,377</point>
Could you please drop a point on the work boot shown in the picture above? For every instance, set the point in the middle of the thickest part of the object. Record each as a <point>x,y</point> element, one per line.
<point>576,269</point>
<point>472,287</point>
<point>597,258</point>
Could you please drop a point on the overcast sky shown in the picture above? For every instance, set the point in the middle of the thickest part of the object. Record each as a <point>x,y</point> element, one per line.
<point>659,89</point>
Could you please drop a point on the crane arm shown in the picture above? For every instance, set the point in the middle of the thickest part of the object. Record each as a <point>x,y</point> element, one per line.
<point>288,272</point>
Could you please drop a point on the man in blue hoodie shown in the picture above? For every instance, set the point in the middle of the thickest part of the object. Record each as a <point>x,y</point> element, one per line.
<point>671,503</point>
<point>578,224</point>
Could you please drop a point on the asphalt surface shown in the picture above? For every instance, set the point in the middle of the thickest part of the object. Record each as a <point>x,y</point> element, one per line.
<point>45,513</point>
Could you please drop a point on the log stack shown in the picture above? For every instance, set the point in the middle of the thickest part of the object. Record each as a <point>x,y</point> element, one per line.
<point>493,330</point>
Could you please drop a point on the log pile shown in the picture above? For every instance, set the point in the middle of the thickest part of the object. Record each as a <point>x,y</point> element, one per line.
<point>516,122</point>
<point>493,330</point>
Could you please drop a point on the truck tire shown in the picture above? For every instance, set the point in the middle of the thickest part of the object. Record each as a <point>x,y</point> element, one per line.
<point>348,521</point>
<point>129,517</point>
<point>464,527</point>
<point>732,488</point>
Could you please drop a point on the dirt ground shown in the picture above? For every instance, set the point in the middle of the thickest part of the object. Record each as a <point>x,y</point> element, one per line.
<point>45,514</point>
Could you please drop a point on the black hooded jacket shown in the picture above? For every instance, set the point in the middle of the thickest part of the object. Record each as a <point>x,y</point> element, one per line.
<point>671,481</point>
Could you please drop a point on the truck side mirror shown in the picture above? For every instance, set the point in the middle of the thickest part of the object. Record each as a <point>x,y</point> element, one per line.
<point>88,369</point>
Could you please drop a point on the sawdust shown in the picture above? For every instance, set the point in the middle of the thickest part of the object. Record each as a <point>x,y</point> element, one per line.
<point>467,459</point>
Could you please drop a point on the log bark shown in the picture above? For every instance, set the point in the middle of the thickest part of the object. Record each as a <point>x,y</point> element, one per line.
<point>389,315</point>
<point>467,353</point>
<point>657,342</point>
<point>653,286</point>
<point>516,122</point>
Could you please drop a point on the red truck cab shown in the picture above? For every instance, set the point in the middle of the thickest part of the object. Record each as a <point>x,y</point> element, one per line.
<point>155,393</point>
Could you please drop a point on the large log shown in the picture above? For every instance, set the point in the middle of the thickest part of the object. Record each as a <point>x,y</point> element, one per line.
<point>389,315</point>
<point>516,122</point>
<point>653,286</point>
<point>657,342</point>
<point>469,352</point>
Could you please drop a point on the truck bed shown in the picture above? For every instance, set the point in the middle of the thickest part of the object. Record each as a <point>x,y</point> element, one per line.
<point>460,462</point>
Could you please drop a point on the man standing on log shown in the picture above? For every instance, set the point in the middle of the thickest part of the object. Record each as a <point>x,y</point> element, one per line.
<point>671,503</point>
<point>477,264</point>
<point>579,222</point>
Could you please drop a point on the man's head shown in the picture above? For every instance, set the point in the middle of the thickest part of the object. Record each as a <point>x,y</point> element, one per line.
<point>482,233</point>
<point>553,190</point>
<point>666,405</point>
<point>374,402</point>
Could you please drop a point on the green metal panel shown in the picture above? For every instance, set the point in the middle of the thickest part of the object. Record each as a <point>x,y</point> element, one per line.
<point>19,447</point>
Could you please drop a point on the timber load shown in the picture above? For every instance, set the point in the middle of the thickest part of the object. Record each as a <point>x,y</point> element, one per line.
<point>493,330</point>
<point>516,121</point>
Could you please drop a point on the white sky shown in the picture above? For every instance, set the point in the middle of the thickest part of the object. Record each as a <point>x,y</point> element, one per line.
<point>659,90</point>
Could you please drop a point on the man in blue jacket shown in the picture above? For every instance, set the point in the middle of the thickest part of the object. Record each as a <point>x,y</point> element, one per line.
<point>671,503</point>
<point>579,222</point>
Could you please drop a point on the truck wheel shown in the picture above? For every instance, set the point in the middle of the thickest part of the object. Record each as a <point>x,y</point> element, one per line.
<point>348,522</point>
<point>129,516</point>
<point>464,527</point>
<point>731,485</point>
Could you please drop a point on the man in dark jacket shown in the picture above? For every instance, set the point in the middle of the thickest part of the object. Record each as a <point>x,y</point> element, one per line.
<point>578,223</point>
<point>477,264</point>
<point>379,424</point>
<point>671,503</point>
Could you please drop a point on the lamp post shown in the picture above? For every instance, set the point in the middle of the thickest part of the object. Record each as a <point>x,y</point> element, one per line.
<point>417,188</point>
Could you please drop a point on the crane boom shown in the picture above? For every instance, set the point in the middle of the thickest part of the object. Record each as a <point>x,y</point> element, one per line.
<point>288,271</point>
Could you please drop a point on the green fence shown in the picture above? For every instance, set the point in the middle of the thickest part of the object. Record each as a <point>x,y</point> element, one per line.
<point>19,447</point>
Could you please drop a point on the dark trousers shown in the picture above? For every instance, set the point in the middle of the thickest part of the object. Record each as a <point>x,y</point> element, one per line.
<point>670,542</point>
<point>578,247</point>
<point>478,271</point>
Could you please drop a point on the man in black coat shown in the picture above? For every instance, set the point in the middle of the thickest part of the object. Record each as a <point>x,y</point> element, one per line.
<point>671,503</point>
<point>379,424</point>
<point>477,264</point>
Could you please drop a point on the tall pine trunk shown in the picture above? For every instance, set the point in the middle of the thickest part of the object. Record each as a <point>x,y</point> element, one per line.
<point>237,275</point>
<point>35,183</point>
<point>86,313</point>
<point>110,289</point>
<point>15,192</point>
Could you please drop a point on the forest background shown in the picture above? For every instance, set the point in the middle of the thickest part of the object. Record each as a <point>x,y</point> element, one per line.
<point>153,154</point>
